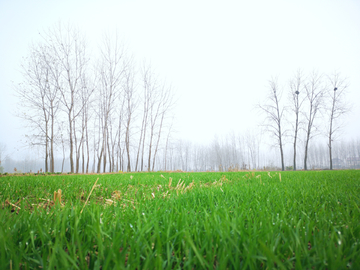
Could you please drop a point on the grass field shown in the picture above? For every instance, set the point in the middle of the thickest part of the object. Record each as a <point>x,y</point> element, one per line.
<point>232,220</point>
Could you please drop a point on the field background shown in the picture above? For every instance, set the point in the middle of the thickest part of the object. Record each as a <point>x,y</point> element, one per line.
<point>235,220</point>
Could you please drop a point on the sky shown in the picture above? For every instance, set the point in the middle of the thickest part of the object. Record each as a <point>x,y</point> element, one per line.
<point>217,55</point>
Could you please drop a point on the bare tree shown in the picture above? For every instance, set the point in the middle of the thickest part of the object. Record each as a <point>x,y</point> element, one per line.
<point>148,84</point>
<point>155,116</point>
<point>39,98</point>
<point>145,113</point>
<point>165,103</point>
<point>296,85</point>
<point>274,116</point>
<point>130,106</point>
<point>338,107</point>
<point>314,89</point>
<point>111,70</point>
<point>68,47</point>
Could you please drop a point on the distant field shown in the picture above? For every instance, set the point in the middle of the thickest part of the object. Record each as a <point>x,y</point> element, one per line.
<point>232,220</point>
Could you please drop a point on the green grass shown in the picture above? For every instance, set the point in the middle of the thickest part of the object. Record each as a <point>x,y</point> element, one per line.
<point>235,220</point>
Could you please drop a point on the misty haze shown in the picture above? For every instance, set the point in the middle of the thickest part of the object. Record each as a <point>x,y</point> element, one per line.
<point>78,98</point>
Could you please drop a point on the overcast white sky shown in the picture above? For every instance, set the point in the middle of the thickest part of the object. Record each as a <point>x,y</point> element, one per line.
<point>218,55</point>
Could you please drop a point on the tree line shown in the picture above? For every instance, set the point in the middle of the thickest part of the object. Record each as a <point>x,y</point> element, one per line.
<point>313,105</point>
<point>100,109</point>
<point>249,151</point>
<point>232,152</point>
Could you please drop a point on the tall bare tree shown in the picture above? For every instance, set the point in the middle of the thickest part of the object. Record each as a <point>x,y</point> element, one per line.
<point>296,87</point>
<point>148,82</point>
<point>130,106</point>
<point>166,102</point>
<point>68,47</point>
<point>111,70</point>
<point>274,116</point>
<point>314,89</point>
<point>338,107</point>
<point>39,98</point>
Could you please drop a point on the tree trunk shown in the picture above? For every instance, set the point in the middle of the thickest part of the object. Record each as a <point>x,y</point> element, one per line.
<point>83,159</point>
<point>127,143</point>
<point>306,153</point>
<point>46,147</point>
<point>109,153</point>
<point>63,161</point>
<point>104,153</point>
<point>330,138</point>
<point>71,145</point>
<point>158,140</point>
<point>87,149</point>
<point>100,158</point>
<point>46,156</point>
<point>294,166</point>
<point>140,140</point>
<point>295,138</point>
<point>282,156</point>
<point>143,150</point>
<point>150,146</point>
<point>331,129</point>
<point>330,153</point>
<point>52,162</point>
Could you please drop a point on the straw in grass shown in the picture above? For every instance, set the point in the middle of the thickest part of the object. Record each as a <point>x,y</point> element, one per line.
<point>89,195</point>
<point>57,196</point>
